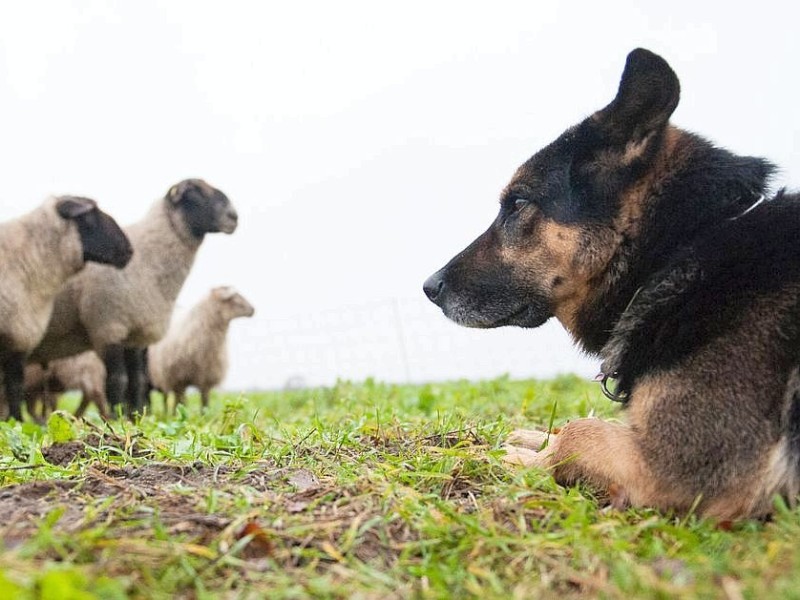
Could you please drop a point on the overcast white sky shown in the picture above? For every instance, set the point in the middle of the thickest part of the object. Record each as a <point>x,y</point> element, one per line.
<point>363,144</point>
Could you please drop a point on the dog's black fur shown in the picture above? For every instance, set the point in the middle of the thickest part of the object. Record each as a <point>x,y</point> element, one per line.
<point>709,287</point>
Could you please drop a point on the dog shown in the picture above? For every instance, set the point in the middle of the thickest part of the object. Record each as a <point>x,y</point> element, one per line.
<point>658,252</point>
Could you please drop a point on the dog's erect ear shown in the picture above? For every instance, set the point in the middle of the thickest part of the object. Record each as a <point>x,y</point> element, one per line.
<point>648,94</point>
<point>72,207</point>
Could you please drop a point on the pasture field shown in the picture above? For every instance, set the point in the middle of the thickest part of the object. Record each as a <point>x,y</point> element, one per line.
<point>354,491</point>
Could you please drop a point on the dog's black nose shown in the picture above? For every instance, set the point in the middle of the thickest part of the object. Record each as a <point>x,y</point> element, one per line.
<point>433,286</point>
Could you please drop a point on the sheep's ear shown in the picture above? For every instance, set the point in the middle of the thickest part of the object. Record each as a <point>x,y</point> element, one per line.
<point>225,293</point>
<point>176,192</point>
<point>648,94</point>
<point>72,207</point>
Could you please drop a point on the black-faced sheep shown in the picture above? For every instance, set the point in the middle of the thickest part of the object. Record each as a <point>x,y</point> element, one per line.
<point>194,352</point>
<point>39,252</point>
<point>120,313</point>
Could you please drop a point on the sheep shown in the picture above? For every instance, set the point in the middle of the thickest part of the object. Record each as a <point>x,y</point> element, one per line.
<point>84,372</point>
<point>119,313</point>
<point>39,252</point>
<point>194,351</point>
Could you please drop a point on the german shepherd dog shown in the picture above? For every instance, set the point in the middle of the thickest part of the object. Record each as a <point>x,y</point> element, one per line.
<point>655,251</point>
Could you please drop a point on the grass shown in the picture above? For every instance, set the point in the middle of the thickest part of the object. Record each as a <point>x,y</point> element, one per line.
<point>356,491</point>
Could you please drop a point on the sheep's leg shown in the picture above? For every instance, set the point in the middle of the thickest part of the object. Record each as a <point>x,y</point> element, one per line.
<point>50,400</point>
<point>14,376</point>
<point>180,398</point>
<point>116,377</point>
<point>96,396</point>
<point>204,397</point>
<point>82,406</point>
<point>99,399</point>
<point>49,404</point>
<point>148,383</point>
<point>32,401</point>
<point>137,382</point>
<point>146,399</point>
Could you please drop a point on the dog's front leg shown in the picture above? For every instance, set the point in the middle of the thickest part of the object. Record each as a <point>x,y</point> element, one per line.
<point>603,455</point>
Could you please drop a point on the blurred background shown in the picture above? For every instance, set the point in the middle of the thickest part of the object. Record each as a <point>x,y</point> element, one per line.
<point>364,144</point>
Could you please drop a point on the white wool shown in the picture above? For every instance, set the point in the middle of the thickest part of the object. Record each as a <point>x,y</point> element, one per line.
<point>194,352</point>
<point>39,251</point>
<point>130,306</point>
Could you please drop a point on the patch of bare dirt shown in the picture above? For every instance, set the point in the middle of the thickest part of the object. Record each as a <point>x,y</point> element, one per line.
<point>25,506</point>
<point>175,493</point>
<point>63,453</point>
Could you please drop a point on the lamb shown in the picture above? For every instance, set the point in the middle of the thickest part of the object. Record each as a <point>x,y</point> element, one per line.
<point>194,352</point>
<point>39,252</point>
<point>119,313</point>
<point>84,372</point>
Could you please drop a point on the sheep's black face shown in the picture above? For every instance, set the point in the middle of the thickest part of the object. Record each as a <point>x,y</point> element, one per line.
<point>205,209</point>
<point>103,241</point>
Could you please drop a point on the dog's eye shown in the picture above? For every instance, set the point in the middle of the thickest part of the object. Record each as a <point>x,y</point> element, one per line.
<point>513,204</point>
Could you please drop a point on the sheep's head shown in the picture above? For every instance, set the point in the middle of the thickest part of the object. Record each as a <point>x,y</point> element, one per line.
<point>102,240</point>
<point>204,208</point>
<point>232,304</point>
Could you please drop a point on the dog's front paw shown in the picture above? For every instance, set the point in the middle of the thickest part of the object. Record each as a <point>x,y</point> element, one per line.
<point>528,438</point>
<point>523,457</point>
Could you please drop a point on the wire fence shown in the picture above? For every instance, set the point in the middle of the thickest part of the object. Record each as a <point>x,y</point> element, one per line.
<point>396,340</point>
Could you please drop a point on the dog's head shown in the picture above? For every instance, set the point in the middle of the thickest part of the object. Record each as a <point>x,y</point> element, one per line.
<point>565,212</point>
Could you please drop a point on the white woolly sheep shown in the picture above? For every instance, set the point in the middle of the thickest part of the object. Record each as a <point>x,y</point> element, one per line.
<point>83,372</point>
<point>39,252</point>
<point>120,313</point>
<point>194,351</point>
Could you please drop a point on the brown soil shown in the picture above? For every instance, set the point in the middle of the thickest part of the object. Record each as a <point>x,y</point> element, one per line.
<point>63,453</point>
<point>175,493</point>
